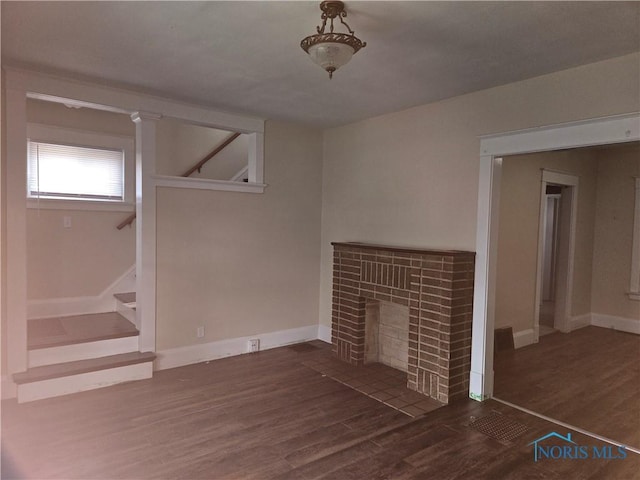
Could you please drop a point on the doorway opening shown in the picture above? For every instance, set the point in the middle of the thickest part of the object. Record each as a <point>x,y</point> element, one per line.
<point>595,343</point>
<point>556,247</point>
<point>550,221</point>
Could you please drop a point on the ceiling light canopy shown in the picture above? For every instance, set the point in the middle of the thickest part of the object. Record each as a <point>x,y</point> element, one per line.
<point>332,50</point>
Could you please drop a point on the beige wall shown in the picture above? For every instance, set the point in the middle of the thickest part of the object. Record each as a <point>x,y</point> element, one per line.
<point>518,233</point>
<point>88,257</point>
<point>614,232</point>
<point>239,263</point>
<point>410,178</point>
<point>181,145</point>
<point>79,261</point>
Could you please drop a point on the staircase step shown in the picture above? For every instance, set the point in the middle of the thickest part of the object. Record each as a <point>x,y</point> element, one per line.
<point>71,377</point>
<point>129,297</point>
<point>59,331</point>
<point>81,351</point>
<point>126,306</point>
<point>82,366</point>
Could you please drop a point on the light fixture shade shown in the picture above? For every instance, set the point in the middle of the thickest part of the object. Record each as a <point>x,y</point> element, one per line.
<point>331,49</point>
<point>331,55</point>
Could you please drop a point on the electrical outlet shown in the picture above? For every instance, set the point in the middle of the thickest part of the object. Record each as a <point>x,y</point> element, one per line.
<point>200,332</point>
<point>254,345</point>
<point>66,222</point>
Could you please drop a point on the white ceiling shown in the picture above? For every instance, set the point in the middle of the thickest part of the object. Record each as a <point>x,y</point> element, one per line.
<point>245,56</point>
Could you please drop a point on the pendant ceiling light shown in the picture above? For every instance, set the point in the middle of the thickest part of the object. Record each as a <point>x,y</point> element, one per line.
<point>332,50</point>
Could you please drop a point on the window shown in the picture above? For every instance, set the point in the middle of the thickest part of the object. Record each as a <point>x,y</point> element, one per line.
<point>75,172</point>
<point>78,169</point>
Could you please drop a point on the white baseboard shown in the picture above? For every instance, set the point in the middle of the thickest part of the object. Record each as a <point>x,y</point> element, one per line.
<point>103,302</point>
<point>579,321</point>
<point>177,357</point>
<point>523,338</point>
<point>324,333</point>
<point>7,387</point>
<point>480,385</point>
<point>618,323</point>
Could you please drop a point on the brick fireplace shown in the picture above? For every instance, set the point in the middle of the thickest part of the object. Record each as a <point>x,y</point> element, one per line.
<point>437,288</point>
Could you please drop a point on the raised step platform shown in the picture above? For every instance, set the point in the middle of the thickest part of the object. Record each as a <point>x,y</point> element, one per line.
<point>59,331</point>
<point>129,297</point>
<point>70,377</point>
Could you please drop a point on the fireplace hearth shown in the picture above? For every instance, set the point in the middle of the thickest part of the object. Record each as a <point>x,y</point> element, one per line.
<point>435,286</point>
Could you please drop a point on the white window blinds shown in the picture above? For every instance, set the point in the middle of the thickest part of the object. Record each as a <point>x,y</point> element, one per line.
<point>75,172</point>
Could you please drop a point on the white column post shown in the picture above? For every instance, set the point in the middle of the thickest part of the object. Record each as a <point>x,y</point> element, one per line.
<point>146,229</point>
<point>481,380</point>
<point>16,229</point>
<point>256,157</point>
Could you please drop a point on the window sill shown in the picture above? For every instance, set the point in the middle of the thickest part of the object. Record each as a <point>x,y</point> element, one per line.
<point>51,204</point>
<point>206,184</point>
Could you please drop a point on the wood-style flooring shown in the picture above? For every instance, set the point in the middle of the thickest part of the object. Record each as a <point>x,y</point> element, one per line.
<point>589,378</point>
<point>268,416</point>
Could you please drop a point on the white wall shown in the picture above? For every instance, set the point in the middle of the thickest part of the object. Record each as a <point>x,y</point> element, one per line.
<point>617,168</point>
<point>239,263</point>
<point>410,178</point>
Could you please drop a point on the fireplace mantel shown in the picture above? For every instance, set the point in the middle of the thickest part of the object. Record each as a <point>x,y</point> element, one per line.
<point>420,251</point>
<point>436,285</point>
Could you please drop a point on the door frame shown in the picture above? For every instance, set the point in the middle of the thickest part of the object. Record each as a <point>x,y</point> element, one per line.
<point>586,133</point>
<point>145,110</point>
<point>562,321</point>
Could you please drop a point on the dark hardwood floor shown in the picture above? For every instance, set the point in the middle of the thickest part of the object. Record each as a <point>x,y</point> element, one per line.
<point>268,416</point>
<point>589,378</point>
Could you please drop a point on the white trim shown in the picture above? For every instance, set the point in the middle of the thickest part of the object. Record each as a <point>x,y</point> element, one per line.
<point>563,312</point>
<point>146,260</point>
<point>622,324</point>
<point>580,321</point>
<point>256,158</point>
<point>324,333</point>
<point>600,131</point>
<point>8,389</point>
<point>481,378</point>
<point>177,357</point>
<point>52,204</point>
<point>82,351</point>
<point>242,173</point>
<point>524,338</point>
<point>103,302</point>
<point>207,184</point>
<point>584,133</point>
<point>55,387</point>
<point>15,184</point>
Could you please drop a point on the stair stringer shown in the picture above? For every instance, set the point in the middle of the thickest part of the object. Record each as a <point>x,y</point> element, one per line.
<point>68,306</point>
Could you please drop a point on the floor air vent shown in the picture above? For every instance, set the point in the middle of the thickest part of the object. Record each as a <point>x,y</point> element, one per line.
<point>499,427</point>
